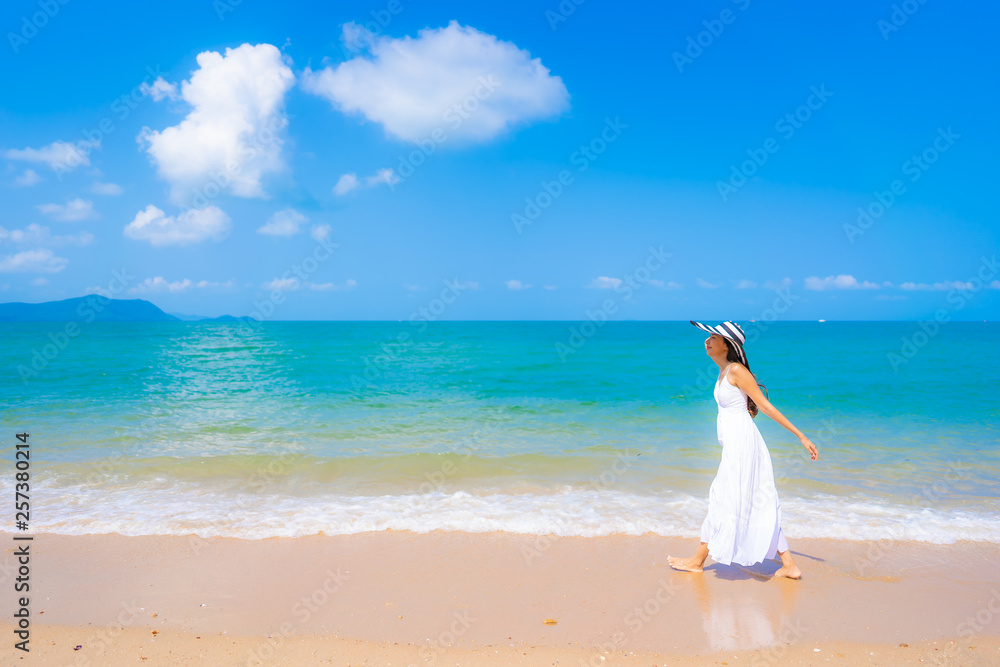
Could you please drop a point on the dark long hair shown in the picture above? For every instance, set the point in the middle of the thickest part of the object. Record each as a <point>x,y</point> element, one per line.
<point>732,355</point>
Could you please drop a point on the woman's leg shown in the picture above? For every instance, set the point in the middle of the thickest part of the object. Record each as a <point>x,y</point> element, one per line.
<point>693,564</point>
<point>788,567</point>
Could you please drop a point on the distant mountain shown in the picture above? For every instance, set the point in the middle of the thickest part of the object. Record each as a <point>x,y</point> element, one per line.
<point>96,308</point>
<point>92,308</point>
<point>227,318</point>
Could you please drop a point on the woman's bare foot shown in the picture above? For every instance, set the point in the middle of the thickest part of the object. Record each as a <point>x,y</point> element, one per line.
<point>693,564</point>
<point>792,572</point>
<point>685,564</point>
<point>788,567</point>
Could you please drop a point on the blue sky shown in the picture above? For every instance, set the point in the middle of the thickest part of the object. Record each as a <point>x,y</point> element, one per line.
<point>651,114</point>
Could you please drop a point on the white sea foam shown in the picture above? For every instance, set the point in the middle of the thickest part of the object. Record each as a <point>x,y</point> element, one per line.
<point>184,509</point>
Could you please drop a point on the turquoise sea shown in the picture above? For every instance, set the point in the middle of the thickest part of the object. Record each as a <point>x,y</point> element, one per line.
<point>299,428</point>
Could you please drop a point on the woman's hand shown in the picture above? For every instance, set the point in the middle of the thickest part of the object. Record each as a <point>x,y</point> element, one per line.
<point>807,443</point>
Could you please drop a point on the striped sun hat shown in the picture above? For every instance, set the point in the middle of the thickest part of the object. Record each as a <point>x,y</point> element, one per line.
<point>731,332</point>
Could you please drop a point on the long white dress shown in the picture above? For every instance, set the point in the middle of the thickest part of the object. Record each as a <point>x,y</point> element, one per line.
<point>744,516</point>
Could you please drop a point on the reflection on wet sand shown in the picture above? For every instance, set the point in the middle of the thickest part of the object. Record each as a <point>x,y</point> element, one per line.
<point>747,616</point>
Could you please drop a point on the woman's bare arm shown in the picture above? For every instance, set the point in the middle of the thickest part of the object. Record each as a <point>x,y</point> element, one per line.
<point>745,381</point>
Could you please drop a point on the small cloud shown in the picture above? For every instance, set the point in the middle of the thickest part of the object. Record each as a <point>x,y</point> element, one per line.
<point>890,297</point>
<point>59,155</point>
<point>708,285</point>
<point>332,287</point>
<point>784,283</point>
<point>320,232</point>
<point>350,182</point>
<point>549,287</point>
<point>39,282</point>
<point>469,284</point>
<point>838,282</point>
<point>283,285</point>
<point>33,261</point>
<point>159,284</point>
<point>99,188</point>
<point>413,288</point>
<point>670,284</point>
<point>28,178</point>
<point>283,223</point>
<point>346,183</point>
<point>604,282</point>
<point>71,211</point>
<point>35,234</point>
<point>190,226</point>
<point>160,89</point>
<point>516,285</point>
<point>944,286</point>
<point>746,284</point>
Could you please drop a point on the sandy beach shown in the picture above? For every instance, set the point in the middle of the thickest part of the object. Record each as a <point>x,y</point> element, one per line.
<point>498,598</point>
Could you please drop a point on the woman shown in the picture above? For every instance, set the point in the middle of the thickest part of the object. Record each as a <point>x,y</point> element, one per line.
<point>744,516</point>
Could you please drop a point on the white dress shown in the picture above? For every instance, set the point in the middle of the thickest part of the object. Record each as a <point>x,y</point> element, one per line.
<point>744,516</point>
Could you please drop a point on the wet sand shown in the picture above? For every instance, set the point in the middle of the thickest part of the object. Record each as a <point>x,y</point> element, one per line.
<point>448,598</point>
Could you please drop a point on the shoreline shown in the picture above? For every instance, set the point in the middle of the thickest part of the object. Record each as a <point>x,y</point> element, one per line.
<point>455,594</point>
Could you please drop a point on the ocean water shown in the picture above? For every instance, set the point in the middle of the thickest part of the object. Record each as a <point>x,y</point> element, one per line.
<point>299,428</point>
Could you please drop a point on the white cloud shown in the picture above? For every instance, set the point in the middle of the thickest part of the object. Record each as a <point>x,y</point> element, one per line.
<point>320,232</point>
<point>350,182</point>
<point>59,155</point>
<point>784,283</point>
<point>670,284</point>
<point>33,261</point>
<point>468,284</point>
<point>332,287</point>
<point>603,282</point>
<point>840,282</point>
<point>40,235</point>
<point>232,137</point>
<point>708,285</point>
<point>292,284</point>
<point>71,211</point>
<point>746,284</point>
<point>160,284</point>
<point>28,178</point>
<point>516,285</point>
<point>40,282</point>
<point>549,287</point>
<point>941,286</point>
<point>191,226</point>
<point>283,223</point>
<point>346,183</point>
<point>99,188</point>
<point>160,89</point>
<point>466,83</point>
